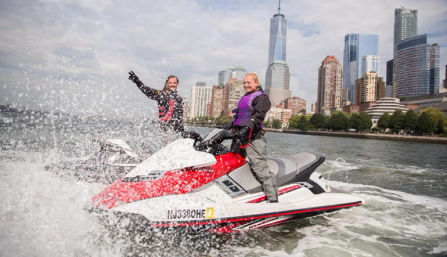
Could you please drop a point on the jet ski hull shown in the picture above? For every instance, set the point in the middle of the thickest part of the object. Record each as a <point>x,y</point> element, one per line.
<point>221,195</point>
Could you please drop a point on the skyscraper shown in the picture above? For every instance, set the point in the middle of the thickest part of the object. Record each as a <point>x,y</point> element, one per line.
<point>330,84</point>
<point>416,67</point>
<point>405,24</point>
<point>357,46</point>
<point>277,79</point>
<point>238,72</point>
<point>278,36</point>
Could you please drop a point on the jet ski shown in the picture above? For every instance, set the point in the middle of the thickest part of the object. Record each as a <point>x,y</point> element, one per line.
<point>215,190</point>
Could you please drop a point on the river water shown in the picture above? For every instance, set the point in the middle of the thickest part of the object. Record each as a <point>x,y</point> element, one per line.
<point>404,185</point>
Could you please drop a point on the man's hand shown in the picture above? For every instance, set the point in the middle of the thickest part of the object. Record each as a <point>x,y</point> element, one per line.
<point>133,77</point>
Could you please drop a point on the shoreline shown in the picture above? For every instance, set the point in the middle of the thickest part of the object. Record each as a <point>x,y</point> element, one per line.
<point>381,136</point>
<point>408,138</point>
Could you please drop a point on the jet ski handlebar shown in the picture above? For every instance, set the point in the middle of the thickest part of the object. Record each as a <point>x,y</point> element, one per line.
<point>215,140</point>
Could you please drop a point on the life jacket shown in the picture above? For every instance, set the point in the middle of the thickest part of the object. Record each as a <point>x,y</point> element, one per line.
<point>170,111</point>
<point>244,109</point>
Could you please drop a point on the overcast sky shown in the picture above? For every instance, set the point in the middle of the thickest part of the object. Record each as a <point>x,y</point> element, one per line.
<point>74,56</point>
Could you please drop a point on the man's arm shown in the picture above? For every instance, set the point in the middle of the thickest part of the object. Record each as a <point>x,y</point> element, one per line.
<point>149,92</point>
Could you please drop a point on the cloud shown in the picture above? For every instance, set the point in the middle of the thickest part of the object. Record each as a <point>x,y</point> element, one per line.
<point>74,56</point>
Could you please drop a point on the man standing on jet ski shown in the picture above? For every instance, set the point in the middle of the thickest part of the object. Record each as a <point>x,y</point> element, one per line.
<point>170,104</point>
<point>247,133</point>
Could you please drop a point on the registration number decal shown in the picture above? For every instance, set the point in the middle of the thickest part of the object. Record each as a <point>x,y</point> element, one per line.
<point>207,213</point>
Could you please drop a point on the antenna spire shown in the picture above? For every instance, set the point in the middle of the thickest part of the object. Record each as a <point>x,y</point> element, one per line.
<point>279,7</point>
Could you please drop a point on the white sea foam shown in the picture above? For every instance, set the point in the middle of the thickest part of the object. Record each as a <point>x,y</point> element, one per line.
<point>42,215</point>
<point>427,201</point>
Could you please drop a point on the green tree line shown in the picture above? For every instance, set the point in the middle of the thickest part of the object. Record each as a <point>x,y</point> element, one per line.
<point>428,121</point>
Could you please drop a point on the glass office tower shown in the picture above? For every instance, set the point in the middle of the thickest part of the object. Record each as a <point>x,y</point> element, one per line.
<point>416,67</point>
<point>356,46</point>
<point>278,36</point>
<point>277,77</point>
<point>405,24</point>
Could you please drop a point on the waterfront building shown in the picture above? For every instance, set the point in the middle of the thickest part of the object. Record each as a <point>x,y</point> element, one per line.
<point>217,101</point>
<point>416,67</point>
<point>418,103</point>
<point>385,105</point>
<point>357,46</point>
<point>370,63</point>
<point>351,108</point>
<point>369,88</point>
<point>296,104</point>
<point>281,114</point>
<point>330,81</point>
<point>233,91</point>
<point>200,99</point>
<point>237,71</point>
<point>277,78</point>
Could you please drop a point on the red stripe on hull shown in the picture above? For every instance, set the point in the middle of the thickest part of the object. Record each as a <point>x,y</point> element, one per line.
<point>172,182</point>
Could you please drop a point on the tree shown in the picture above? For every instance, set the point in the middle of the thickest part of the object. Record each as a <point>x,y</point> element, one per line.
<point>293,122</point>
<point>440,126</point>
<point>396,122</point>
<point>303,123</point>
<point>425,124</point>
<point>410,121</point>
<point>355,122</point>
<point>266,124</point>
<point>318,120</point>
<point>338,121</point>
<point>366,121</point>
<point>276,124</point>
<point>383,121</point>
<point>222,120</point>
<point>435,114</point>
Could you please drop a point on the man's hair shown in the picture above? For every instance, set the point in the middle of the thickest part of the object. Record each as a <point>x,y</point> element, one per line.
<point>170,77</point>
<point>254,76</point>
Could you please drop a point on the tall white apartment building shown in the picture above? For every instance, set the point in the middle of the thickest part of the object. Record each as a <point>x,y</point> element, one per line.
<point>201,96</point>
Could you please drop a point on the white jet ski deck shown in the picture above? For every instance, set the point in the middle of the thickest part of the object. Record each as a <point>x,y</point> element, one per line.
<point>182,187</point>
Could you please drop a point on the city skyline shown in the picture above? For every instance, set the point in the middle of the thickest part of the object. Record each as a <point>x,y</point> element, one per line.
<point>74,56</point>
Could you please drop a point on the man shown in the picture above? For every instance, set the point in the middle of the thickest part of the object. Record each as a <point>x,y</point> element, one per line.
<point>170,104</point>
<point>247,133</point>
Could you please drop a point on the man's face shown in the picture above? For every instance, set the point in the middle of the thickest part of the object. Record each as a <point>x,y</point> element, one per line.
<point>250,85</point>
<point>172,84</point>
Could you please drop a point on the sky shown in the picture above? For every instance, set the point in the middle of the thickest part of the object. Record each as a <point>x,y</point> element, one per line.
<point>74,56</point>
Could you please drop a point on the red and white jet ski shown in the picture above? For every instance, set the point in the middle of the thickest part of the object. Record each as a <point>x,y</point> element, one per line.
<point>179,186</point>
